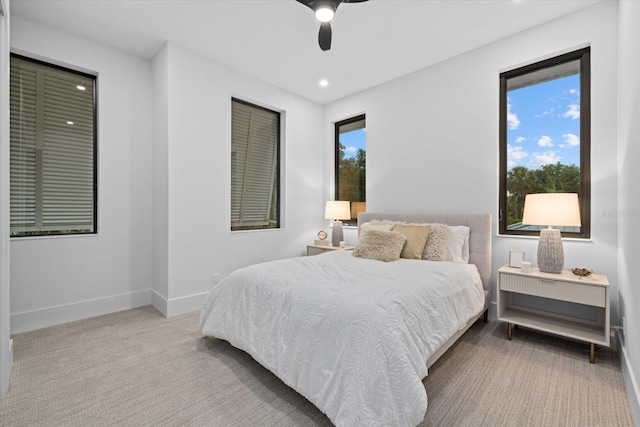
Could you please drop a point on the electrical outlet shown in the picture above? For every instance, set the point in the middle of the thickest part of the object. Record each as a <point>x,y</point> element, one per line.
<point>624,331</point>
<point>215,278</point>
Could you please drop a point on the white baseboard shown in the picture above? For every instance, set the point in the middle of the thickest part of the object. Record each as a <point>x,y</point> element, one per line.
<point>159,302</point>
<point>630,381</point>
<point>177,306</point>
<point>51,316</point>
<point>4,383</point>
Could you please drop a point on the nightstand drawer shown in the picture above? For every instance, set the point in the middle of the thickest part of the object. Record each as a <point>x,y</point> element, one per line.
<point>554,289</point>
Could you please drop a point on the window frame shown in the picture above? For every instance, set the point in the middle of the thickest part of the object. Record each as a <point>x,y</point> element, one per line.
<point>584,56</point>
<point>278,167</point>
<point>337,125</point>
<point>94,78</point>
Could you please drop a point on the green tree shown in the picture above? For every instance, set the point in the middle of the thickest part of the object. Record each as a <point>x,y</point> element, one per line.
<point>352,175</point>
<point>551,178</point>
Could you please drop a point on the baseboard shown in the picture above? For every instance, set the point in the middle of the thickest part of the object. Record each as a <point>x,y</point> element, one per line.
<point>4,383</point>
<point>177,306</point>
<point>631,384</point>
<point>51,316</point>
<point>10,355</point>
<point>159,302</point>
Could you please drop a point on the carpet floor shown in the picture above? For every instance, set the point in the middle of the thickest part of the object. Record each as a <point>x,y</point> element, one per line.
<point>137,368</point>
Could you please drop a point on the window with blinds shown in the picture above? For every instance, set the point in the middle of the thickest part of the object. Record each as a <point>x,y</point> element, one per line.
<point>255,158</point>
<point>52,150</point>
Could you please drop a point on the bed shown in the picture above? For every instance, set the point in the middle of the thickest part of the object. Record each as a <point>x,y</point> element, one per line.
<point>355,336</point>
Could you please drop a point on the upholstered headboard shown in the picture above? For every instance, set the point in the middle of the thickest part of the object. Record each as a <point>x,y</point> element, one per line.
<point>479,234</point>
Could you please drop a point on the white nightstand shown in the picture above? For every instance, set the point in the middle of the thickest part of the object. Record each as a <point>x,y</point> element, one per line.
<point>588,291</point>
<point>318,249</point>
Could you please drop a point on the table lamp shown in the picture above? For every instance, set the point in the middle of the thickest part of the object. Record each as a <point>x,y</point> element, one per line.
<point>551,209</point>
<point>337,210</point>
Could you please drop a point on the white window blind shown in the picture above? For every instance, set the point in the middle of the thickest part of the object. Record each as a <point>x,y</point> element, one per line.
<point>52,150</point>
<point>254,167</point>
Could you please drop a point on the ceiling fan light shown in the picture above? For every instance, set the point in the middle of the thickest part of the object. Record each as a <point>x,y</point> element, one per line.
<point>325,14</point>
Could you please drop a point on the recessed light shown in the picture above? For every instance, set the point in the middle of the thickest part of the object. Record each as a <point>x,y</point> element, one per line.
<point>69,122</point>
<point>324,82</point>
<point>79,87</point>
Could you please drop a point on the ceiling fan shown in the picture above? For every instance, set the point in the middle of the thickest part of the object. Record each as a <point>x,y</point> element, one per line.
<point>325,10</point>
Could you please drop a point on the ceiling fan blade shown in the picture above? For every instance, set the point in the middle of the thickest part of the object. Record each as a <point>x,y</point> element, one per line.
<point>352,1</point>
<point>315,4</point>
<point>324,36</point>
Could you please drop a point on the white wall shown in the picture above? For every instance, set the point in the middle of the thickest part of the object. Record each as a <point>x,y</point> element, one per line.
<point>628,214</point>
<point>160,190</point>
<point>6,355</point>
<point>432,136</point>
<point>198,176</point>
<point>59,279</point>
<point>163,185</point>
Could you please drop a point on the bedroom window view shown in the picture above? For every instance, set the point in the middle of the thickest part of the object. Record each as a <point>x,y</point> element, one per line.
<point>544,137</point>
<point>52,150</point>
<point>255,159</point>
<point>351,164</point>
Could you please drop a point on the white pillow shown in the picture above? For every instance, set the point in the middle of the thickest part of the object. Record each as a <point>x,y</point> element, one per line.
<point>458,244</point>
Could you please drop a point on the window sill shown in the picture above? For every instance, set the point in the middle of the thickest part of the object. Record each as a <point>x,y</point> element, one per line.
<point>51,236</point>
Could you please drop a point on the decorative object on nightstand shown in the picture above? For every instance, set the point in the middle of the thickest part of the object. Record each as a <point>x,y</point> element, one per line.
<point>551,209</point>
<point>322,239</point>
<point>337,210</point>
<point>581,272</point>
<point>516,258</point>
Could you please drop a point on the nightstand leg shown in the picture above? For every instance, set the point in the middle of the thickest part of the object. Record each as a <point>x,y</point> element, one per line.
<point>509,331</point>
<point>592,353</point>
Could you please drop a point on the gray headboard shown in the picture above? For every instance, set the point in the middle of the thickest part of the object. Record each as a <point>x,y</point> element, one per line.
<point>479,235</point>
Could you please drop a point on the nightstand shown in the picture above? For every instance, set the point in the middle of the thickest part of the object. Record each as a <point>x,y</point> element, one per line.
<point>588,295</point>
<point>319,249</point>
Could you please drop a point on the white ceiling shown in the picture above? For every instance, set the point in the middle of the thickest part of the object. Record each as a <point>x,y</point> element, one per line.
<point>276,40</point>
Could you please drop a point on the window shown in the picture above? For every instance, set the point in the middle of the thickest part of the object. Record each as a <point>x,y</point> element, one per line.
<point>545,138</point>
<point>255,159</point>
<point>351,164</point>
<point>53,150</point>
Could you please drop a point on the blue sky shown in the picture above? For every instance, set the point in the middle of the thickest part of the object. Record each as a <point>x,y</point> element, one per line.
<point>354,140</point>
<point>543,124</point>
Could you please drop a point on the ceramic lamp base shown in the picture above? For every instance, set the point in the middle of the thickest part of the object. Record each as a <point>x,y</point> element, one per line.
<point>550,252</point>
<point>337,235</point>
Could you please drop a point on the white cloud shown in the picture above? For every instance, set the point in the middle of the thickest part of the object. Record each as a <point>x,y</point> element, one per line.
<point>520,139</point>
<point>350,151</point>
<point>512,118</point>
<point>544,113</point>
<point>573,112</point>
<point>574,92</point>
<point>546,158</point>
<point>545,141</point>
<point>514,154</point>
<point>571,139</point>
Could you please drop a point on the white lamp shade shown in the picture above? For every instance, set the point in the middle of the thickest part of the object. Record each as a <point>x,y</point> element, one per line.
<point>552,209</point>
<point>337,209</point>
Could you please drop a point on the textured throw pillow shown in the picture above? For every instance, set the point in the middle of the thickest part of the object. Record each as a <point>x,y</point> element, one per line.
<point>416,239</point>
<point>458,245</point>
<point>367,226</point>
<point>380,245</point>
<point>436,247</point>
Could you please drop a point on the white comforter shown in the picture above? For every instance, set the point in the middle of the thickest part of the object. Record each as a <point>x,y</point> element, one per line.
<point>352,335</point>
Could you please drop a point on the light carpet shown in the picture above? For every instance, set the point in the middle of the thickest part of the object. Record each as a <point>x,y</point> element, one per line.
<point>137,368</point>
